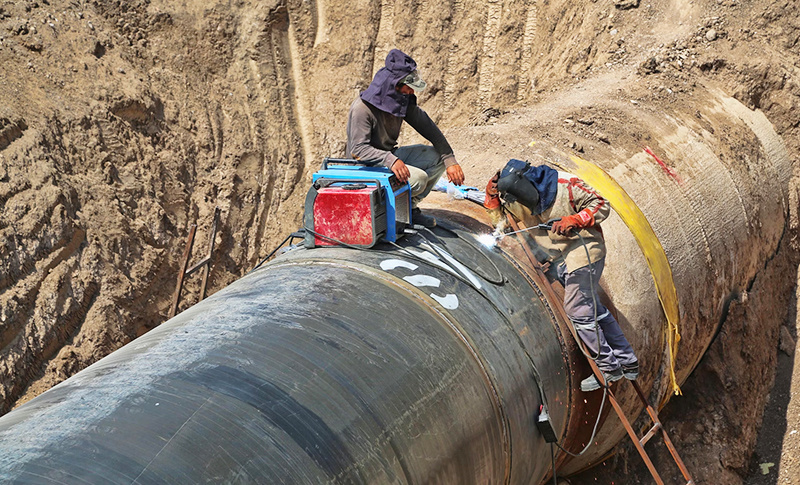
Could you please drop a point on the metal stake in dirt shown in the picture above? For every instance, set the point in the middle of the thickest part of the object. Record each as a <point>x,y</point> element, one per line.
<point>204,263</point>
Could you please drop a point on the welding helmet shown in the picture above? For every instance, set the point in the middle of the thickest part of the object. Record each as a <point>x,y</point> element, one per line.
<point>514,186</point>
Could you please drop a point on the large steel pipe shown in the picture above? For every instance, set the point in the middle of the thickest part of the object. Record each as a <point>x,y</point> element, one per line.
<point>415,366</point>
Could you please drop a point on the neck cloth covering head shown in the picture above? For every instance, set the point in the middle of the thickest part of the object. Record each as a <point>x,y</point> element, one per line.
<point>382,94</point>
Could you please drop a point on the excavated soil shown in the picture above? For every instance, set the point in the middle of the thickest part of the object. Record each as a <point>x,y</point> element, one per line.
<point>124,122</point>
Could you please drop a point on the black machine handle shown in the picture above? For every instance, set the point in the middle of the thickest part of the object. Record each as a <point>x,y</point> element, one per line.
<point>346,161</point>
<point>547,225</point>
<point>324,182</point>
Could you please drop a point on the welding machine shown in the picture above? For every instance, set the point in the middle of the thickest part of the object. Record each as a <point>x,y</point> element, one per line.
<point>355,204</point>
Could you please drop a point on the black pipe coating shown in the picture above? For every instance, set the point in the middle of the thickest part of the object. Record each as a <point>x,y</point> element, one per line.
<point>325,365</point>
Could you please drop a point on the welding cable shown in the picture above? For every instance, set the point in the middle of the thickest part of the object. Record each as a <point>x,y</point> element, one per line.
<point>334,240</point>
<point>404,250</point>
<point>581,346</point>
<point>502,279</point>
<point>455,274</point>
<point>594,429</point>
<point>594,303</point>
<point>288,238</point>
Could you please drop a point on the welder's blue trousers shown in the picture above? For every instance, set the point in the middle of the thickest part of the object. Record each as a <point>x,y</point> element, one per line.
<point>615,350</point>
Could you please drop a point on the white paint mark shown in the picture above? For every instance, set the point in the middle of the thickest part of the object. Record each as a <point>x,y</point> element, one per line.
<point>449,301</point>
<point>390,264</point>
<point>423,280</point>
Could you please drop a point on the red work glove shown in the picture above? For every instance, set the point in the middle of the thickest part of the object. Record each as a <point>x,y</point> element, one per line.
<point>492,198</point>
<point>582,219</point>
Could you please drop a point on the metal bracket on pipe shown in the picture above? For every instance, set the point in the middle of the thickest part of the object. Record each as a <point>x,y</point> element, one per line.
<point>204,263</point>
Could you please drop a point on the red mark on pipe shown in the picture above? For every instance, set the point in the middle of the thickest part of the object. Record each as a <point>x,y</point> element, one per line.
<point>666,168</point>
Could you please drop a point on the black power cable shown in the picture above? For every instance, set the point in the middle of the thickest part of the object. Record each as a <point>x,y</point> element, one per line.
<point>501,280</point>
<point>593,358</point>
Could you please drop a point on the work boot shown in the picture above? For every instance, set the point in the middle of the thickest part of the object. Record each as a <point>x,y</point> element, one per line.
<point>417,217</point>
<point>631,371</point>
<point>591,383</point>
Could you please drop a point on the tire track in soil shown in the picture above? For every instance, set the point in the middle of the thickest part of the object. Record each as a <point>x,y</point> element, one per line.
<point>318,9</point>
<point>451,70</point>
<point>486,73</point>
<point>385,37</point>
<point>276,166</point>
<point>28,287</point>
<point>526,81</point>
<point>299,108</point>
<point>71,313</point>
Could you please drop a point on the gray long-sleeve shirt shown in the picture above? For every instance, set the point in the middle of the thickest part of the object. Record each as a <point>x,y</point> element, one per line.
<point>372,134</point>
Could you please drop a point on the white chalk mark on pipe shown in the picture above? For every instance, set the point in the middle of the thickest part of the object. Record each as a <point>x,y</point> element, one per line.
<point>390,264</point>
<point>449,301</point>
<point>423,280</point>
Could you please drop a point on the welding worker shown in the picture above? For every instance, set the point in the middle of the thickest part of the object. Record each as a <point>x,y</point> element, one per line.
<point>373,127</point>
<point>536,195</point>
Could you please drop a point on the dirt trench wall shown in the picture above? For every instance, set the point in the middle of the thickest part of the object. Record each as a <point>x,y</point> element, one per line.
<point>121,123</point>
<point>124,122</point>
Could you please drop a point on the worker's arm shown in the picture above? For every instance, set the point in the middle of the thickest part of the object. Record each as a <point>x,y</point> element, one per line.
<point>591,208</point>
<point>587,200</point>
<point>492,203</point>
<point>418,119</point>
<point>359,137</point>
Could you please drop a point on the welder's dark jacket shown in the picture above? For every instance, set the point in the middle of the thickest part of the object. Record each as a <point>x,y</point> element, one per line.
<point>372,134</point>
<point>573,195</point>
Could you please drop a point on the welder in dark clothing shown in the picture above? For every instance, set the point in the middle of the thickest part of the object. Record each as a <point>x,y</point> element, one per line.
<point>373,127</point>
<point>536,195</point>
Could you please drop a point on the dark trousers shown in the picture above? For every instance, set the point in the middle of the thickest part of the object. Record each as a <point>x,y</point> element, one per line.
<point>615,350</point>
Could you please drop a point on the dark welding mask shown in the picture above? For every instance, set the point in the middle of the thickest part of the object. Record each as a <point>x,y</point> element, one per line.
<point>514,186</point>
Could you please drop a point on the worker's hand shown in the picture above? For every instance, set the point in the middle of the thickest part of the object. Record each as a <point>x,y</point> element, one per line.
<point>491,187</point>
<point>492,198</point>
<point>401,171</point>
<point>455,174</point>
<point>564,226</point>
<point>567,224</point>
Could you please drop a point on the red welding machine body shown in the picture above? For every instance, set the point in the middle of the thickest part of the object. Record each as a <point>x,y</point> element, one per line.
<point>354,214</point>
